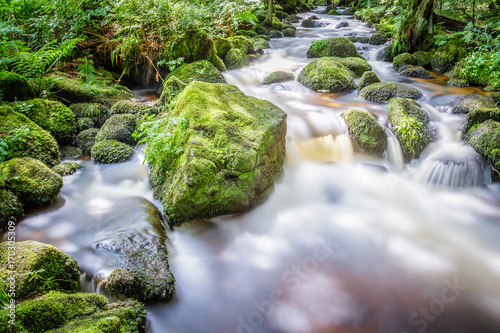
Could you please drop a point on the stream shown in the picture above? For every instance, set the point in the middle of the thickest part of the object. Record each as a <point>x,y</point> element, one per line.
<point>346,243</point>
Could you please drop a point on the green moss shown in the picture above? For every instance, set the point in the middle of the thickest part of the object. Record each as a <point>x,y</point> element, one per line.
<point>238,42</point>
<point>171,88</point>
<point>382,92</point>
<point>131,107</point>
<point>485,139</point>
<point>31,180</point>
<point>367,135</point>
<point>86,139</point>
<point>51,116</point>
<point>359,39</point>
<point>66,168</point>
<point>275,34</point>
<point>411,126</point>
<point>70,152</point>
<point>328,9</point>
<point>54,269</point>
<point>377,39</point>
<point>28,139</point>
<point>222,45</point>
<point>10,209</point>
<point>288,32</point>
<point>424,58</point>
<point>97,112</point>
<point>232,153</point>
<point>84,123</point>
<point>480,115</point>
<point>292,19</point>
<point>251,46</point>
<point>367,79</point>
<point>333,47</point>
<point>261,15</point>
<point>496,98</point>
<point>356,65</point>
<point>265,37</point>
<point>236,59</point>
<point>111,151</point>
<point>327,74</point>
<point>468,103</point>
<point>385,54</point>
<point>278,76</point>
<point>415,71</point>
<point>14,87</point>
<point>333,12</point>
<point>448,55</point>
<point>403,61</point>
<point>260,44</point>
<point>200,71</point>
<point>119,127</point>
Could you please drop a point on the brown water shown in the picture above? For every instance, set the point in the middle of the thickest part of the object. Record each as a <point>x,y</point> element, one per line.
<point>346,243</point>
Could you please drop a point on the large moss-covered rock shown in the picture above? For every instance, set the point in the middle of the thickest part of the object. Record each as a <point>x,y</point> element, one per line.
<point>468,103</point>
<point>356,65</point>
<point>327,74</point>
<point>367,135</point>
<point>377,39</point>
<point>278,76</point>
<point>415,71</point>
<point>132,107</point>
<point>202,70</point>
<point>260,44</point>
<point>333,47</point>
<point>10,209</point>
<point>14,87</point>
<point>171,88</point>
<point>367,79</point>
<point>424,58</point>
<point>52,116</point>
<point>385,53</point>
<point>308,23</point>
<point>58,312</point>
<point>411,126</point>
<point>55,269</point>
<point>495,96</point>
<point>222,45</point>
<point>31,180</point>
<point>480,115</point>
<point>86,140</point>
<point>289,32</point>
<point>448,55</point>
<point>111,151</point>
<point>485,139</point>
<point>382,92</point>
<point>233,149</point>
<point>359,39</point>
<point>26,138</point>
<point>97,112</point>
<point>70,152</point>
<point>66,168</point>
<point>403,61</point>
<point>119,127</point>
<point>275,34</point>
<point>237,42</point>
<point>235,59</point>
<point>84,123</point>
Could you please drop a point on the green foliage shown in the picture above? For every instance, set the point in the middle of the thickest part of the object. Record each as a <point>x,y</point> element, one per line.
<point>49,282</point>
<point>172,64</point>
<point>13,139</point>
<point>4,298</point>
<point>87,71</point>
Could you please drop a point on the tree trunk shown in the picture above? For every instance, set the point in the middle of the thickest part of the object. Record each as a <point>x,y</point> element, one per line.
<point>414,28</point>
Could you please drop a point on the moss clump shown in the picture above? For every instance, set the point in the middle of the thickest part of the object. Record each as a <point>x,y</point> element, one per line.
<point>288,32</point>
<point>496,98</point>
<point>275,34</point>
<point>265,37</point>
<point>424,58</point>
<point>292,19</point>
<point>385,54</point>
<point>333,47</point>
<point>485,139</point>
<point>31,180</point>
<point>411,125</point>
<point>356,65</point>
<point>51,116</point>
<point>415,71</point>
<point>333,12</point>
<point>55,269</point>
<point>131,107</point>
<point>111,151</point>
<point>237,42</point>
<point>84,123</point>
<point>97,112</point>
<point>367,79</point>
<point>70,152</point>
<point>327,74</point>
<point>468,103</point>
<point>86,139</point>
<point>480,115</point>
<point>171,88</point>
<point>200,71</point>
<point>367,135</point>
<point>448,55</point>
<point>232,153</point>
<point>377,39</point>
<point>101,91</point>
<point>14,87</point>
<point>403,61</point>
<point>10,209</point>
<point>119,127</point>
<point>26,138</point>
<point>278,76</point>
<point>260,44</point>
<point>382,92</point>
<point>66,168</point>
<point>328,9</point>
<point>222,45</point>
<point>236,59</point>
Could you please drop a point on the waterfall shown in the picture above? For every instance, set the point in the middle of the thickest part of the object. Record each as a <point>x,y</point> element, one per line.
<point>394,153</point>
<point>326,148</point>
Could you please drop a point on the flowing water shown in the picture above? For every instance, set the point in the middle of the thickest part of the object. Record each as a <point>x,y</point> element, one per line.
<point>347,243</point>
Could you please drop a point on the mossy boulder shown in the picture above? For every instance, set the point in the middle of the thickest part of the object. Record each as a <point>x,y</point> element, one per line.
<point>415,71</point>
<point>222,45</point>
<point>72,90</point>
<point>333,12</point>
<point>132,107</point>
<point>485,139</point>
<point>333,47</point>
<point>111,151</point>
<point>292,19</point>
<point>328,9</point>
<point>382,92</point>
<point>52,116</point>
<point>367,135</point>
<point>86,139</point>
<point>171,88</point>
<point>261,15</point>
<point>31,181</point>
<point>403,61</point>
<point>496,98</point>
<point>274,34</point>
<point>448,55</point>
<point>10,209</point>
<point>308,23</point>
<point>84,123</point>
<point>51,265</point>
<point>385,53</point>
<point>327,74</point>
<point>237,42</point>
<point>58,312</point>
<point>480,115</point>
<point>202,70</point>
<point>468,103</point>
<point>377,39</point>
<point>70,152</point>
<point>411,126</point>
<point>424,58</point>
<point>97,112</point>
<point>236,59</point>
<point>233,151</point>
<point>278,76</point>
<point>356,65</point>
<point>14,87</point>
<point>368,78</point>
<point>66,168</point>
<point>359,39</point>
<point>260,44</point>
<point>119,127</point>
<point>289,32</point>
<point>26,138</point>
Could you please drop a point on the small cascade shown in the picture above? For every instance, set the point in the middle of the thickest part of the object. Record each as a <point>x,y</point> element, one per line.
<point>326,148</point>
<point>455,166</point>
<point>394,153</point>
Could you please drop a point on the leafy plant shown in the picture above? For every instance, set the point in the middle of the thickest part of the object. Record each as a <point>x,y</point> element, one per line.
<point>172,64</point>
<point>49,283</point>
<point>13,139</point>
<point>87,71</point>
<point>4,298</point>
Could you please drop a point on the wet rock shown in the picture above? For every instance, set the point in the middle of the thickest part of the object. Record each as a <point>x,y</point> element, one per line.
<point>119,127</point>
<point>84,123</point>
<point>385,54</point>
<point>356,65</point>
<point>237,157</point>
<point>14,87</point>
<point>333,12</point>
<point>313,17</point>
<point>480,115</point>
<point>447,56</point>
<point>97,112</point>
<point>403,61</point>
<point>86,139</point>
<point>333,47</point>
<point>327,74</point>
<point>260,44</point>
<point>468,103</point>
<point>328,9</point>
<point>485,139</point>
<point>384,91</point>
<point>367,79</point>
<point>66,168</point>
<point>411,126</point>
<point>235,59</point>
<point>275,34</point>
<point>111,151</point>
<point>342,24</point>
<point>31,258</point>
<point>10,209</point>
<point>222,45</point>
<point>347,12</point>
<point>356,39</point>
<point>377,39</point>
<point>496,98</point>
<point>132,107</point>
<point>278,76</point>
<point>289,32</point>
<point>415,71</point>
<point>351,34</point>
<point>367,135</point>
